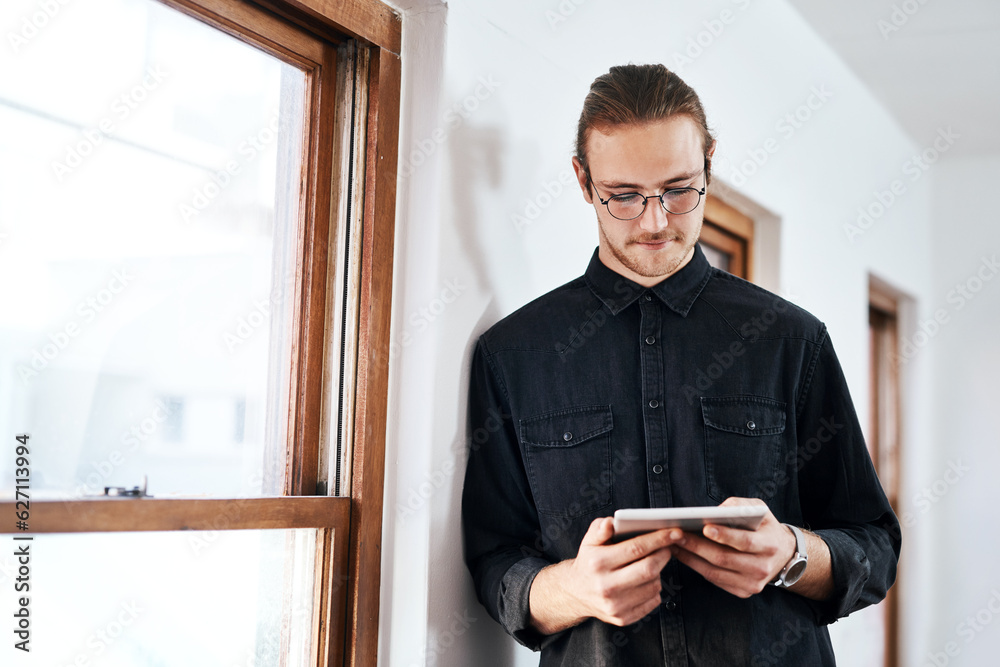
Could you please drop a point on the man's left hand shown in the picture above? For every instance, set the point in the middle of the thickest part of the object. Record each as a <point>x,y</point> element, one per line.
<point>739,561</point>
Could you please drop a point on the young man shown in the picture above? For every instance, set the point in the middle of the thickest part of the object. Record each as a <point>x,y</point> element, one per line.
<point>655,380</point>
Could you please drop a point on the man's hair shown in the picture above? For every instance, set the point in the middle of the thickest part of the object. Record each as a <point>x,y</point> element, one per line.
<point>630,94</point>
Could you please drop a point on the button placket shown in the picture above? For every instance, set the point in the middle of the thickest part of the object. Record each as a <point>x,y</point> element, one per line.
<point>654,418</point>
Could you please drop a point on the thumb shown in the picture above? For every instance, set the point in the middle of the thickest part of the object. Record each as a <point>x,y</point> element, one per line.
<point>599,533</point>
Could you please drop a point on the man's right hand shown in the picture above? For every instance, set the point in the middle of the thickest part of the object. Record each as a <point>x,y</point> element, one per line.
<point>615,583</point>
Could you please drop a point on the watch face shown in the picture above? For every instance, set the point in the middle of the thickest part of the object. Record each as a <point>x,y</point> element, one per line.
<point>795,572</point>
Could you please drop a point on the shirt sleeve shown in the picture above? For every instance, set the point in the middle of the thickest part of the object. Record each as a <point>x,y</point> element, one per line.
<point>498,512</point>
<point>841,497</point>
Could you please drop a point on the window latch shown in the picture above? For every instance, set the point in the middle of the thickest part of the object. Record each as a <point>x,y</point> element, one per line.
<point>122,492</point>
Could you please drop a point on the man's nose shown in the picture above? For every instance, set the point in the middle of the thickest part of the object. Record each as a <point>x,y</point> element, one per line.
<point>654,218</point>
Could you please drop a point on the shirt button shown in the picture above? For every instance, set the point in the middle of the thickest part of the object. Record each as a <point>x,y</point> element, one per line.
<point>646,297</point>
<point>751,425</point>
<point>654,403</point>
<point>650,340</point>
<point>670,605</point>
<point>567,436</point>
<point>657,469</point>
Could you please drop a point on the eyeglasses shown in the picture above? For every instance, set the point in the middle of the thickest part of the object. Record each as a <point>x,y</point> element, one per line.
<point>630,205</point>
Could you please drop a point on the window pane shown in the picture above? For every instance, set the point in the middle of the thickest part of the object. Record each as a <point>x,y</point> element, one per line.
<point>164,599</point>
<point>149,172</point>
<point>716,257</point>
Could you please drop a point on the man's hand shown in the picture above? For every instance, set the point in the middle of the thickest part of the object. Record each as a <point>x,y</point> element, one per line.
<point>616,583</point>
<point>743,562</point>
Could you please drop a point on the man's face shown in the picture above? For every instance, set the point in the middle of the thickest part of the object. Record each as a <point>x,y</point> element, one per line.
<point>647,158</point>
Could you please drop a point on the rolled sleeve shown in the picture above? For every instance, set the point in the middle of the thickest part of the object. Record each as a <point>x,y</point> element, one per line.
<point>851,571</point>
<point>498,514</point>
<point>842,499</point>
<point>513,605</point>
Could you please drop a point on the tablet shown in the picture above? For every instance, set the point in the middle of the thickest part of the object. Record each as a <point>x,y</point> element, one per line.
<point>634,521</point>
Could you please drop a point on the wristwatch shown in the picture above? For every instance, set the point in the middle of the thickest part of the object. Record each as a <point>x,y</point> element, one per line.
<point>796,567</point>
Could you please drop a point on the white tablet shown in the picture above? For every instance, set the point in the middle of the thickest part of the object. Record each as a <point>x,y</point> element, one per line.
<point>634,521</point>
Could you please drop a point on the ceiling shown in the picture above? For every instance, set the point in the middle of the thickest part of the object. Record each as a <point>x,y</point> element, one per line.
<point>932,63</point>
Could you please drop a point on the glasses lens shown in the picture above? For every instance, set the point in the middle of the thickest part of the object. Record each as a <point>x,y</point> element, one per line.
<point>680,201</point>
<point>626,207</point>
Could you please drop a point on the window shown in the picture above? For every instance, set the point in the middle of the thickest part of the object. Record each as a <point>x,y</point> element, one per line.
<point>196,223</point>
<point>727,238</point>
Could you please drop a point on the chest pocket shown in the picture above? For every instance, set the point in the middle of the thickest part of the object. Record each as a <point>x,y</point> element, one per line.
<point>744,439</point>
<point>568,459</point>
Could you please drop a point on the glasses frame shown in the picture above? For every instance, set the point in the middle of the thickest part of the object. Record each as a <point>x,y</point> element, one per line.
<point>645,199</point>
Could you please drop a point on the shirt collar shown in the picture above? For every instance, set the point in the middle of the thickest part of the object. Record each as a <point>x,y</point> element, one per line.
<point>678,291</point>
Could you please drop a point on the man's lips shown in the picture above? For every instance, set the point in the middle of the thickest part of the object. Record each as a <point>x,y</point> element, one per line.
<point>654,244</point>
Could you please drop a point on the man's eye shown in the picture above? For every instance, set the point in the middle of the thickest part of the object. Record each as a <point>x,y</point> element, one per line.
<point>628,199</point>
<point>677,194</point>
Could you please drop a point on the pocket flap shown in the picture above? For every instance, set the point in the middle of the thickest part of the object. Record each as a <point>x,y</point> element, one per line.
<point>567,428</point>
<point>746,415</point>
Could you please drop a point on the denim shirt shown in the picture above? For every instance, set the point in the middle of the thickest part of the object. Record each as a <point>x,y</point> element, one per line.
<point>603,394</point>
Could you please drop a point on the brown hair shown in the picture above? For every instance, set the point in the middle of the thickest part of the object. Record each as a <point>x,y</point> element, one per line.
<point>639,94</point>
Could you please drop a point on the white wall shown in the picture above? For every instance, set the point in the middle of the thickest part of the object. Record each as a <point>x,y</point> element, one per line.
<point>962,503</point>
<point>465,258</point>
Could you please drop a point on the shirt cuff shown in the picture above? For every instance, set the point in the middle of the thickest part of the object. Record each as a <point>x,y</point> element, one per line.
<point>851,569</point>
<point>515,613</point>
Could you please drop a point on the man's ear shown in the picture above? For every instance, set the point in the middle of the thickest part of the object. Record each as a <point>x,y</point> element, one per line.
<point>583,180</point>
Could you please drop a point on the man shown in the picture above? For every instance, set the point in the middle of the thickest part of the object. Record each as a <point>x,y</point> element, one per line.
<point>655,380</point>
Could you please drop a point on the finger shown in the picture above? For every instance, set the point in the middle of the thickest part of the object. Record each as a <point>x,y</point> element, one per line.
<point>599,533</point>
<point>637,548</point>
<point>642,610</point>
<point>634,604</point>
<point>728,580</point>
<point>736,501</point>
<point>641,571</point>
<point>718,555</point>
<point>736,538</point>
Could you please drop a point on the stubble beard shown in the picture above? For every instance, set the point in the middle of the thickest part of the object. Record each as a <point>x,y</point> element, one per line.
<point>664,265</point>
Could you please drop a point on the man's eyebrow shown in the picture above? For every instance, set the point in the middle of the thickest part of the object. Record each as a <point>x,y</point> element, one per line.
<point>620,185</point>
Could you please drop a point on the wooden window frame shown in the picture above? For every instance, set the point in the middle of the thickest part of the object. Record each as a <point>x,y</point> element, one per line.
<point>730,231</point>
<point>350,528</point>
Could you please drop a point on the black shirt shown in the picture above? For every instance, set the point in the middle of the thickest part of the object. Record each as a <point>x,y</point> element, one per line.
<point>603,394</point>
